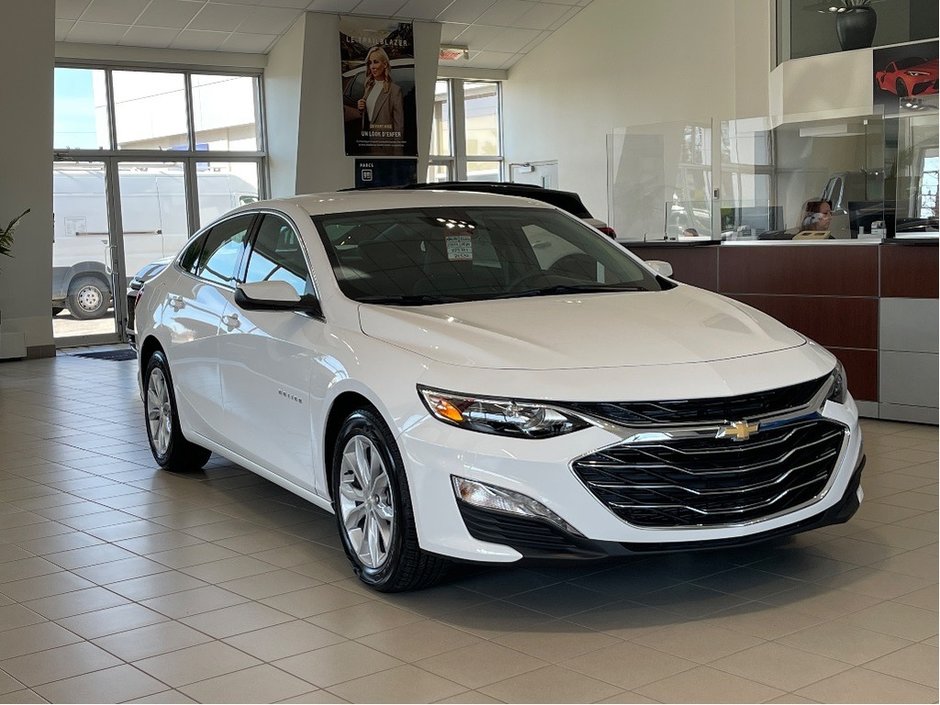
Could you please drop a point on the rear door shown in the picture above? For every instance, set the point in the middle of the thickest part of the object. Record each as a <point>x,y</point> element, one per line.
<point>194,316</point>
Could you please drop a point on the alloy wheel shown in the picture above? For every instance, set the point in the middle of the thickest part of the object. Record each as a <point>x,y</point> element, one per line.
<point>365,501</point>
<point>159,411</point>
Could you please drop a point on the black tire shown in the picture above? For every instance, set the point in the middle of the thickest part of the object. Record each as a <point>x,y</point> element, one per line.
<point>900,88</point>
<point>170,449</point>
<point>406,566</point>
<point>89,297</point>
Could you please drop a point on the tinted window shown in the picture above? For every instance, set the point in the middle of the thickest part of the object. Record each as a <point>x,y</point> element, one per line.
<point>435,255</point>
<point>191,255</point>
<point>278,256</point>
<point>222,252</point>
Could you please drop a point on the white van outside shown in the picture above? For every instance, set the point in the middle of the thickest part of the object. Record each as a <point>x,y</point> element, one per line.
<point>153,214</point>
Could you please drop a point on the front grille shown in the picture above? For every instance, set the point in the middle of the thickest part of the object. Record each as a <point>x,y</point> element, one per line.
<point>924,87</point>
<point>701,411</point>
<point>689,482</point>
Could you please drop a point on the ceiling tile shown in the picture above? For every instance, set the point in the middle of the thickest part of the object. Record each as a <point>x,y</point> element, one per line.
<point>62,28</point>
<point>564,18</point>
<point>268,20</point>
<point>450,30</point>
<point>199,39</point>
<point>384,8</point>
<point>510,40</point>
<point>169,13</point>
<point>222,18</point>
<point>70,9</point>
<point>250,43</point>
<point>288,4</point>
<point>510,61</point>
<point>423,9</point>
<point>114,11</point>
<point>489,59</point>
<point>332,5</point>
<point>157,37</point>
<point>97,32</point>
<point>542,36</point>
<point>504,13</point>
<point>542,15</point>
<point>466,11</point>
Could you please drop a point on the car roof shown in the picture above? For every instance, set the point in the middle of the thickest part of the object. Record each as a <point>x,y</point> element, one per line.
<point>379,199</point>
<point>566,200</point>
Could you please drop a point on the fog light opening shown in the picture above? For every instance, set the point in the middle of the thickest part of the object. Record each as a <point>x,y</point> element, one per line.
<point>498,499</point>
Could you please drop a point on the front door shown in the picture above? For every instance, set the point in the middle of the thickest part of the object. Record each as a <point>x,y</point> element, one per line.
<point>267,361</point>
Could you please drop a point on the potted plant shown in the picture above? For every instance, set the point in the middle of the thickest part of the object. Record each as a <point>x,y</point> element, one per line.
<point>6,235</point>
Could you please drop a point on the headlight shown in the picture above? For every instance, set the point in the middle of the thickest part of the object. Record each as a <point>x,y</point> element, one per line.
<point>502,417</point>
<point>839,388</point>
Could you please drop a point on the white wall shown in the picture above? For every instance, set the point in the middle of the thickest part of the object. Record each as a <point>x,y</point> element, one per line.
<point>27,57</point>
<point>622,63</point>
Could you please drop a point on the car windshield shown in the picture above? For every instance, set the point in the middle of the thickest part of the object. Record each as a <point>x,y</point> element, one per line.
<point>426,256</point>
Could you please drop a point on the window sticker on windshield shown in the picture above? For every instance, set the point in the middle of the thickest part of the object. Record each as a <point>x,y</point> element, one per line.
<point>459,247</point>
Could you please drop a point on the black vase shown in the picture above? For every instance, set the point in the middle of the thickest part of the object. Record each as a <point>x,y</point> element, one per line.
<point>856,27</point>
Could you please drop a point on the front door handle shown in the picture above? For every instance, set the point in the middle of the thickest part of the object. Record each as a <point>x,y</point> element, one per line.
<point>231,321</point>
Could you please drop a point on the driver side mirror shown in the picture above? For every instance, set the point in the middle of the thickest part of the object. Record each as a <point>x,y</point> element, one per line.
<point>663,269</point>
<point>274,296</point>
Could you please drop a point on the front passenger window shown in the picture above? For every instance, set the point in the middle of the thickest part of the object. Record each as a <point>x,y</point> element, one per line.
<point>222,253</point>
<point>277,256</point>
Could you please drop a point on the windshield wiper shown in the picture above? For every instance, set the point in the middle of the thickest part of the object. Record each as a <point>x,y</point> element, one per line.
<point>408,300</point>
<point>570,289</point>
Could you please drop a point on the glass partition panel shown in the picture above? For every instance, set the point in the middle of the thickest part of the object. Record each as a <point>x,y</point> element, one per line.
<point>660,181</point>
<point>81,109</point>
<point>225,113</point>
<point>484,171</point>
<point>150,110</point>
<point>223,186</point>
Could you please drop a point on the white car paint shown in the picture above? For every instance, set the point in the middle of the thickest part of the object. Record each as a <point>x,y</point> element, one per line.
<point>259,393</point>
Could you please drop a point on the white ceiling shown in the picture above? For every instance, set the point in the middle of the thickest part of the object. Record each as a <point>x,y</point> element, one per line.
<point>497,32</point>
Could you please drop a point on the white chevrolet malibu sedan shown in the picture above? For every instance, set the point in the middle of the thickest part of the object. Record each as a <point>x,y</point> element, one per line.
<point>486,378</point>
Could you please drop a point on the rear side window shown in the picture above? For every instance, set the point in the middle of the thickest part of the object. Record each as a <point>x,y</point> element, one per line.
<point>218,261</point>
<point>190,257</point>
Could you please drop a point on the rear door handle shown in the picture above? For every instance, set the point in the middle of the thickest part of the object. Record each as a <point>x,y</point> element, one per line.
<point>176,301</point>
<point>231,321</point>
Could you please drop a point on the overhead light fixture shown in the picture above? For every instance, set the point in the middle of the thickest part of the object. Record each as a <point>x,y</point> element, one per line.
<point>453,53</point>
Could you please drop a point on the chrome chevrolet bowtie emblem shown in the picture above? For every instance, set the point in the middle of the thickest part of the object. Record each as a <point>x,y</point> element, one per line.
<point>738,431</point>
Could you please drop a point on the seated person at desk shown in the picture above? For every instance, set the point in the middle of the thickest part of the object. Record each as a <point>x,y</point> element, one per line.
<point>817,215</point>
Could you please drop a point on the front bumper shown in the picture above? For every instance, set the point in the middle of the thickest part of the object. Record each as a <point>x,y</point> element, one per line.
<point>541,469</point>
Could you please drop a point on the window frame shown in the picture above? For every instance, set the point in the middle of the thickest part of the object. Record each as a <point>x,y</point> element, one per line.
<point>456,162</point>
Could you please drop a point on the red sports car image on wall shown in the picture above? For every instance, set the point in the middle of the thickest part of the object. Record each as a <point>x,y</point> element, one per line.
<point>908,76</point>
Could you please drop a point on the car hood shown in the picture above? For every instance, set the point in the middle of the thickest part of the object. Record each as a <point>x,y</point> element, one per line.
<point>677,326</point>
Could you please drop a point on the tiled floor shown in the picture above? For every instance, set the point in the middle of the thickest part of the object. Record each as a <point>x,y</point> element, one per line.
<point>120,582</point>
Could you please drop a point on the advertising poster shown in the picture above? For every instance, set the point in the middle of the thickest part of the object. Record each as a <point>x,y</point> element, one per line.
<point>378,65</point>
<point>907,73</point>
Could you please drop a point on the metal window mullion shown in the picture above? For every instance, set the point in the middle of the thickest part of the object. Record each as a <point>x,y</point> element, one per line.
<point>192,195</point>
<point>116,241</point>
<point>459,128</point>
<point>112,112</point>
<point>190,113</point>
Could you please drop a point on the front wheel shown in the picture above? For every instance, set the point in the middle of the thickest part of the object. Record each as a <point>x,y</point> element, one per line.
<point>374,511</point>
<point>900,88</point>
<point>169,447</point>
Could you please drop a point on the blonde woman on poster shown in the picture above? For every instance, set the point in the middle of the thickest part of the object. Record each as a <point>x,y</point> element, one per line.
<point>381,103</point>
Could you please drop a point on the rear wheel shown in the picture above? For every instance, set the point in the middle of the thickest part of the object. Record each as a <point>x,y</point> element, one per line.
<point>373,508</point>
<point>89,297</point>
<point>170,449</point>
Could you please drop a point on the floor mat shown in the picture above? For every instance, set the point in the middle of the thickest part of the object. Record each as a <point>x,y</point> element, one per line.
<point>117,355</point>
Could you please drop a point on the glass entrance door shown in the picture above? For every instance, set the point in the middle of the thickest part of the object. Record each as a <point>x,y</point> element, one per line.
<point>83,255</point>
